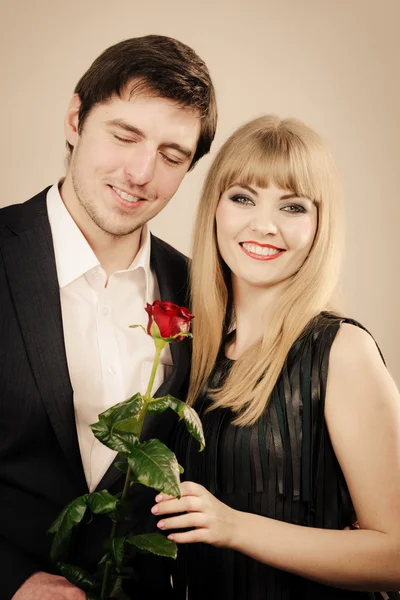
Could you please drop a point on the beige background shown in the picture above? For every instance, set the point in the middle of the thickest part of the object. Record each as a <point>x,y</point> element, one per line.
<point>334,64</point>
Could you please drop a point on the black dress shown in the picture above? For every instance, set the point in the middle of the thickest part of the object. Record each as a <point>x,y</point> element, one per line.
<point>282,467</point>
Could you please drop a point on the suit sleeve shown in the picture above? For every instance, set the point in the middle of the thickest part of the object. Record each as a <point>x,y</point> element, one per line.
<point>16,568</point>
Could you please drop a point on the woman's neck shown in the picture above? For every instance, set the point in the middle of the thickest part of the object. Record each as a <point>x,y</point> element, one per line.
<point>253,307</point>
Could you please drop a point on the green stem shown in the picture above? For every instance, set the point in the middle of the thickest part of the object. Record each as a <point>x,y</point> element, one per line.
<point>160,344</point>
<point>105,581</point>
<point>126,484</point>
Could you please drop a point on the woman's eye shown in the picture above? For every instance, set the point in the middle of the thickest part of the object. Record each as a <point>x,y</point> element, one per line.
<point>294,208</point>
<point>240,199</point>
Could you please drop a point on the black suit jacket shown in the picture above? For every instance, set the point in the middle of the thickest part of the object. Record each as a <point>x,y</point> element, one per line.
<point>40,463</point>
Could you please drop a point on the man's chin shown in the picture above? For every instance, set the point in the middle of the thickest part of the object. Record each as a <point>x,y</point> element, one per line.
<point>120,231</point>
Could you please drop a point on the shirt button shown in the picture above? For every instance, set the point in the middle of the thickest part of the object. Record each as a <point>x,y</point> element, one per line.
<point>111,371</point>
<point>105,310</point>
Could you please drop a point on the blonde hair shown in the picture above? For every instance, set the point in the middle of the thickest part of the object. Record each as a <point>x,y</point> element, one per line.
<point>292,156</point>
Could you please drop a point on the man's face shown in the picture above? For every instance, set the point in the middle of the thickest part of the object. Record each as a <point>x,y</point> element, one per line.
<point>129,159</point>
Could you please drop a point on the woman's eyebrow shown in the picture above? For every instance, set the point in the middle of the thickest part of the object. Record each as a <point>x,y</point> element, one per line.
<point>245,187</point>
<point>289,196</point>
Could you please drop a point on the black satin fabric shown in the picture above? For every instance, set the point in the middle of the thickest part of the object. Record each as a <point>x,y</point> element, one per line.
<point>282,467</point>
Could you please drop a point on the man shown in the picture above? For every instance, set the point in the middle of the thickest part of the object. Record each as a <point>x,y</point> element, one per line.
<point>77,265</point>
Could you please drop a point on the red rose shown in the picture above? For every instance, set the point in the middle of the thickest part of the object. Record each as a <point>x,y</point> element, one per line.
<point>170,319</point>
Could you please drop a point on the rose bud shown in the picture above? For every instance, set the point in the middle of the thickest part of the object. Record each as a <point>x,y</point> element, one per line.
<point>168,320</point>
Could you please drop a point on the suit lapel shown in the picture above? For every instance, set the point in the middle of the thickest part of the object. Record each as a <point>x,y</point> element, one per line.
<point>172,285</point>
<point>31,270</point>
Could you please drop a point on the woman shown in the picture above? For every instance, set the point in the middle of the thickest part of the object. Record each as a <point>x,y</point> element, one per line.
<point>301,418</point>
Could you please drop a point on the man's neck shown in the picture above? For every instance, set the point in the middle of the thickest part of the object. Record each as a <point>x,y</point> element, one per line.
<point>114,253</point>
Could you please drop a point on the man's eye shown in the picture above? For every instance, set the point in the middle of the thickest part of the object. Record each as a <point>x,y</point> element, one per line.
<point>171,161</point>
<point>294,208</point>
<point>241,199</point>
<point>121,139</point>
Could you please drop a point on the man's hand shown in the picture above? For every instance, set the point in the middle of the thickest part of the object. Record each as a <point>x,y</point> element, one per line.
<point>43,586</point>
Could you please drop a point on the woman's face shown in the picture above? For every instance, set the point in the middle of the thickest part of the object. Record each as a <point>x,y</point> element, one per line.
<point>264,234</point>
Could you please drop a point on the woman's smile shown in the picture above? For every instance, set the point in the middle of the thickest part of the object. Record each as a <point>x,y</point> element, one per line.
<point>261,251</point>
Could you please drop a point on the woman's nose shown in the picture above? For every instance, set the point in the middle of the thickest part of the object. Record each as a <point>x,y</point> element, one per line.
<point>264,224</point>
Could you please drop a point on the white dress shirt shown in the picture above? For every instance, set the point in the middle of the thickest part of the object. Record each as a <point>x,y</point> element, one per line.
<point>108,362</point>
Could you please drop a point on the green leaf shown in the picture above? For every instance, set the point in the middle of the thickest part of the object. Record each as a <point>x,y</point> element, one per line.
<point>187,413</point>
<point>121,466</point>
<point>130,425</point>
<point>155,330</point>
<point>124,417</point>
<point>159,405</point>
<point>77,576</point>
<point>102,502</point>
<point>155,543</point>
<point>117,550</point>
<point>128,573</point>
<point>102,432</point>
<point>104,558</point>
<point>123,410</point>
<point>117,427</point>
<point>141,327</point>
<point>179,335</point>
<point>154,465</point>
<point>62,527</point>
<point>192,422</point>
<point>117,589</point>
<point>181,469</point>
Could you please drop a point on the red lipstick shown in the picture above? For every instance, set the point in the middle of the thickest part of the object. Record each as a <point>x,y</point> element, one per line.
<point>279,251</point>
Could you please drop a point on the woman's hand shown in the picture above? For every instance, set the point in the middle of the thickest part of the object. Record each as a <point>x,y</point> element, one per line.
<point>214,522</point>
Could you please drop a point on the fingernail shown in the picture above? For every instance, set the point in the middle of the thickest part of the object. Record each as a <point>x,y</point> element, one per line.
<point>159,498</point>
<point>154,510</point>
<point>170,537</point>
<point>161,524</point>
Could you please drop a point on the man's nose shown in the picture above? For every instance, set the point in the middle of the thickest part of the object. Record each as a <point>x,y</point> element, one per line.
<point>141,165</point>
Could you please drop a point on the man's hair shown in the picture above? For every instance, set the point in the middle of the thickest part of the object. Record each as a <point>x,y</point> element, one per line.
<point>157,65</point>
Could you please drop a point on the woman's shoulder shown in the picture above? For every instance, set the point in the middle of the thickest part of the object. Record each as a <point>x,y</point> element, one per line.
<point>341,341</point>
<point>356,363</point>
<point>352,343</point>
<point>345,334</point>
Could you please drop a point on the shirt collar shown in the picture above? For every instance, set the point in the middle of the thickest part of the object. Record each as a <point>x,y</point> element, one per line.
<point>73,254</point>
<point>142,258</point>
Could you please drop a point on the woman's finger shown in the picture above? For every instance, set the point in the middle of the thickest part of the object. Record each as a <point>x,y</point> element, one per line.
<point>190,537</point>
<point>163,497</point>
<point>189,488</point>
<point>186,504</point>
<point>182,521</point>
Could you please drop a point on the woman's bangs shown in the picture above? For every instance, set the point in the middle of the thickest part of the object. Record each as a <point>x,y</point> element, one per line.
<point>263,162</point>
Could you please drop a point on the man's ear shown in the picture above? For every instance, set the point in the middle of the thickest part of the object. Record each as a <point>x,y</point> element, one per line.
<point>71,120</point>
